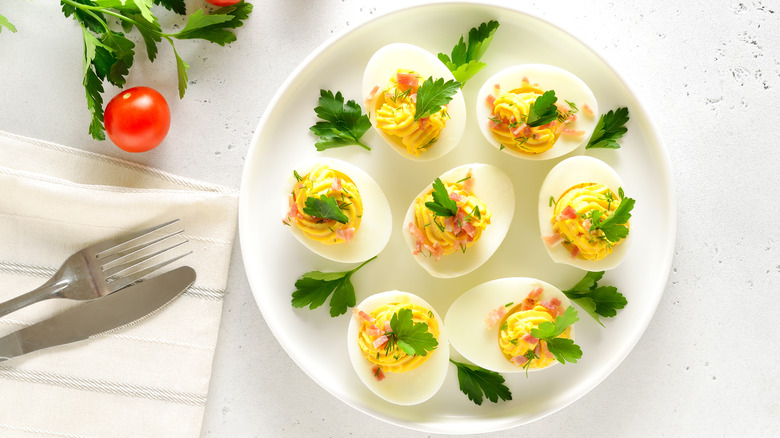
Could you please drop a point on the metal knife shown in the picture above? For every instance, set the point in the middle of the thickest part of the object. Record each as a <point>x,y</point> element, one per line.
<point>103,314</point>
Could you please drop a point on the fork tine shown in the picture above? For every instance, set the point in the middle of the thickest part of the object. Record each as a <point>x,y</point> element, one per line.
<point>108,245</point>
<point>119,283</point>
<point>123,254</point>
<point>128,264</point>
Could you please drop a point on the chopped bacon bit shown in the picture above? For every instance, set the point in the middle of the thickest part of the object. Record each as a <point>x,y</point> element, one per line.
<point>456,197</point>
<point>380,341</point>
<point>407,79</point>
<point>519,360</point>
<point>587,110</point>
<point>346,233</point>
<point>495,315</point>
<point>366,317</point>
<point>497,87</point>
<point>418,236</point>
<point>436,250</point>
<point>554,306</point>
<point>372,94</point>
<point>492,124</point>
<point>468,185</point>
<point>491,100</point>
<point>529,338</point>
<point>573,132</point>
<point>574,251</point>
<point>553,239</point>
<point>469,228</point>
<point>378,373</point>
<point>519,131</point>
<point>293,212</point>
<point>528,304</point>
<point>544,351</point>
<point>526,80</point>
<point>586,224</point>
<point>423,122</point>
<point>535,293</point>
<point>567,213</point>
<point>374,331</point>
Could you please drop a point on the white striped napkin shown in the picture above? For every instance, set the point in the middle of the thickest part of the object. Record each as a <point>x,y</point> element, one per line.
<point>147,380</point>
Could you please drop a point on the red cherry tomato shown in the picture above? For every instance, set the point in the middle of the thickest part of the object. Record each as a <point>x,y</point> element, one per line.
<point>137,119</point>
<point>223,2</point>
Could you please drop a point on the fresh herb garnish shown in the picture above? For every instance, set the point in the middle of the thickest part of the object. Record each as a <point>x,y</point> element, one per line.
<point>342,123</point>
<point>442,205</point>
<point>594,299</point>
<point>613,227</point>
<point>564,349</point>
<point>432,95</point>
<point>609,129</point>
<point>465,63</point>
<point>543,110</point>
<point>4,23</point>
<point>474,381</point>
<point>314,287</point>
<point>108,54</point>
<point>325,207</point>
<point>411,337</point>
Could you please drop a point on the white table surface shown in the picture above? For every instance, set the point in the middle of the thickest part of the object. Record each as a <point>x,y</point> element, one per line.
<point>708,72</point>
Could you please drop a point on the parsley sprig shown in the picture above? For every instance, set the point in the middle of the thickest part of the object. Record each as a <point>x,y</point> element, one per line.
<point>411,337</point>
<point>564,349</point>
<point>614,227</point>
<point>465,58</point>
<point>432,95</point>
<point>543,110</point>
<point>325,207</point>
<point>477,383</point>
<point>342,123</point>
<point>596,300</point>
<point>108,53</point>
<point>609,129</point>
<point>4,23</point>
<point>314,287</point>
<point>442,205</point>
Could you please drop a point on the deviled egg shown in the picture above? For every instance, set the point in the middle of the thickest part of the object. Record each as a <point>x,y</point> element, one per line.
<point>399,368</point>
<point>536,111</point>
<point>577,202</point>
<point>491,324</point>
<point>391,81</point>
<point>458,221</point>
<point>336,210</point>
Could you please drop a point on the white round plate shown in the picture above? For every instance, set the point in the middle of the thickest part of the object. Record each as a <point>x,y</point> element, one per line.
<point>274,259</point>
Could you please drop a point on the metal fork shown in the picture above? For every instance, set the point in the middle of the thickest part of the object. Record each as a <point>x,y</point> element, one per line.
<point>106,267</point>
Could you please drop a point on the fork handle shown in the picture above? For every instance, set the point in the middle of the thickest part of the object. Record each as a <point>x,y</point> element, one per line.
<point>45,291</point>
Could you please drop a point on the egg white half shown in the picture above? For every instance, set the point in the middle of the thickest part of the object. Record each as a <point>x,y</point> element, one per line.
<point>566,85</point>
<point>384,64</point>
<point>493,186</point>
<point>465,319</point>
<point>568,173</point>
<point>414,386</point>
<point>375,228</point>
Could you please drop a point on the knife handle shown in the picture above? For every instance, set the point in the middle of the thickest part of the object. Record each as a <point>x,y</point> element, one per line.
<point>46,291</point>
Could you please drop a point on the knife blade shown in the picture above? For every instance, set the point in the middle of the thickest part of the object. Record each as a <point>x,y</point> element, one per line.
<point>101,315</point>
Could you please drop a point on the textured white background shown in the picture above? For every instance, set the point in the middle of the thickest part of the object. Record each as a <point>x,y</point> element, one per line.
<point>707,71</point>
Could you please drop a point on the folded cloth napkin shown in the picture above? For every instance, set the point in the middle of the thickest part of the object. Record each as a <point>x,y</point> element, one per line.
<point>146,380</point>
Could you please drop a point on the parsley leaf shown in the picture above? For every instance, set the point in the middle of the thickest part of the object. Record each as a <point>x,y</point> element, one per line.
<point>412,337</point>
<point>594,299</point>
<point>314,287</point>
<point>432,95</point>
<point>614,227</point>
<point>465,63</point>
<point>610,128</point>
<point>474,381</point>
<point>342,123</point>
<point>4,23</point>
<point>325,207</point>
<point>108,54</point>
<point>543,110</point>
<point>564,349</point>
<point>442,205</point>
